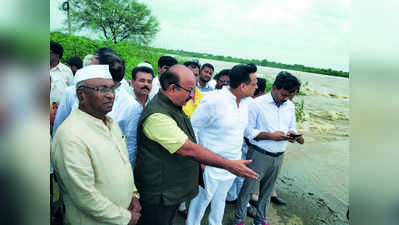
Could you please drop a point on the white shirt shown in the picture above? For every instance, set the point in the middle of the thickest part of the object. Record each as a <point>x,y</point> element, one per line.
<point>156,85</point>
<point>61,77</point>
<point>125,85</point>
<point>264,115</point>
<point>219,125</point>
<point>125,111</point>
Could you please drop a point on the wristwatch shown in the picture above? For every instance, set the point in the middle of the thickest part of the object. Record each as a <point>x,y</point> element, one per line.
<point>136,195</point>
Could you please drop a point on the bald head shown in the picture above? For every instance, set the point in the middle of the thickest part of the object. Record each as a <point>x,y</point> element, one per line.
<point>178,84</point>
<point>177,74</point>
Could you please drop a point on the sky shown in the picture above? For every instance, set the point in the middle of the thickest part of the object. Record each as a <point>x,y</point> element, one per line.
<point>308,32</point>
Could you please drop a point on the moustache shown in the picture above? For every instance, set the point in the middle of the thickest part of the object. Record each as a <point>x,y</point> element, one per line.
<point>188,98</point>
<point>145,87</point>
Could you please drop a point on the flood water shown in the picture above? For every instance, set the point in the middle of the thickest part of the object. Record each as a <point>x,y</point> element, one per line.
<point>315,176</point>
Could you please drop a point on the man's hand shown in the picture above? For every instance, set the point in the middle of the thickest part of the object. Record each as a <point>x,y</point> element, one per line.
<point>239,168</point>
<point>279,136</point>
<point>202,167</point>
<point>299,139</point>
<point>134,218</point>
<point>135,205</point>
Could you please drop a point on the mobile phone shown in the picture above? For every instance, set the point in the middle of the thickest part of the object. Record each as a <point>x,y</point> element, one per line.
<point>295,135</point>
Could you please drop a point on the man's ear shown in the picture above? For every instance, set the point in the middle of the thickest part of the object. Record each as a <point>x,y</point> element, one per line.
<point>80,95</point>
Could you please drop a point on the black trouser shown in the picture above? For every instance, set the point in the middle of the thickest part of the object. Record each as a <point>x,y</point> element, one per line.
<point>156,214</point>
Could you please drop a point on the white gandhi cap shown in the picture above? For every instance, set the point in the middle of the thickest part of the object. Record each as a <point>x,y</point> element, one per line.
<point>92,71</point>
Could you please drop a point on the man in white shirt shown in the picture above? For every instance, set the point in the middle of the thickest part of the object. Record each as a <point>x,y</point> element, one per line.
<point>219,123</point>
<point>60,78</point>
<point>60,75</point>
<point>164,63</point>
<point>271,123</point>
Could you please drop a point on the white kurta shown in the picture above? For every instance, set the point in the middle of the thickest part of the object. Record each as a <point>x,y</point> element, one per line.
<point>92,167</point>
<point>219,125</point>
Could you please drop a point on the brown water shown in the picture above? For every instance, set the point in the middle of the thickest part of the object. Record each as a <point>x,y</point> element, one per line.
<point>315,176</point>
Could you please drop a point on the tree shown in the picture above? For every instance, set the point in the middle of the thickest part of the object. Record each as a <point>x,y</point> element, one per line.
<point>116,19</point>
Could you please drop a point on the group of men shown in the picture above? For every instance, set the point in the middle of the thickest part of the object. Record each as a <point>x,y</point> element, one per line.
<point>134,155</point>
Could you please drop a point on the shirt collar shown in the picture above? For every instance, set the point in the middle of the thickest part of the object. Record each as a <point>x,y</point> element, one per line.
<point>269,99</point>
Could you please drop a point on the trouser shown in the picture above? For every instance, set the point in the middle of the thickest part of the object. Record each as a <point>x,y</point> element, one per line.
<point>215,192</point>
<point>268,168</point>
<point>156,214</point>
<point>232,194</point>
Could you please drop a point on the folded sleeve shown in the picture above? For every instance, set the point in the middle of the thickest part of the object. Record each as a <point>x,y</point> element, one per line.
<point>164,130</point>
<point>251,132</point>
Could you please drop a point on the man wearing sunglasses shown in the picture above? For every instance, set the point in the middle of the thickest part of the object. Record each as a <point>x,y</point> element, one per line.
<point>167,166</point>
<point>90,158</point>
<point>222,79</point>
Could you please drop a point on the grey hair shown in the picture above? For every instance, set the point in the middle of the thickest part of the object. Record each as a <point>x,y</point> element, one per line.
<point>80,83</point>
<point>88,60</point>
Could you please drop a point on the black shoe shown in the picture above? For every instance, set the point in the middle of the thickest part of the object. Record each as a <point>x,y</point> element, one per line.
<point>251,212</point>
<point>278,201</point>
<point>253,203</point>
<point>231,202</point>
<point>183,213</point>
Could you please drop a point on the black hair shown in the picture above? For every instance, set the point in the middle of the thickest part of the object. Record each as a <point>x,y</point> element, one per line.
<point>166,61</point>
<point>223,72</point>
<point>192,62</point>
<point>207,65</point>
<point>142,69</point>
<point>57,48</point>
<point>240,74</point>
<point>167,79</point>
<point>261,86</point>
<point>104,50</point>
<point>75,61</point>
<point>287,81</point>
<point>107,56</point>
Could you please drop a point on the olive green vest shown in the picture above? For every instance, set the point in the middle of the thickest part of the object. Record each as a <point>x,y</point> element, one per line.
<point>162,177</point>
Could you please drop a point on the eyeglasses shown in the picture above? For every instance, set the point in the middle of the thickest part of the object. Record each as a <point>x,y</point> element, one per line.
<point>188,91</point>
<point>224,80</point>
<point>102,90</point>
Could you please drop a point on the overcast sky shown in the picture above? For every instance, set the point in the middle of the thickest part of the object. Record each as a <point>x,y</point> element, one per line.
<point>309,32</point>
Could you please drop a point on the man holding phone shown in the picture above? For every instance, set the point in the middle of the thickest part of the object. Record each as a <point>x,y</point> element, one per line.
<point>271,123</point>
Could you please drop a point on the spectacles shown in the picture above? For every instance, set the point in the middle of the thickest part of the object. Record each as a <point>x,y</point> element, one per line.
<point>224,80</point>
<point>188,91</point>
<point>102,90</point>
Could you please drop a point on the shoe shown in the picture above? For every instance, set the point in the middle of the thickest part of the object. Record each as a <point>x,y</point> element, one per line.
<point>183,213</point>
<point>253,203</point>
<point>278,201</point>
<point>264,223</point>
<point>231,202</point>
<point>251,212</point>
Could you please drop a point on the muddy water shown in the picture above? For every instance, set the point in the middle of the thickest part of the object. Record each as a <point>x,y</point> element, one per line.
<point>314,177</point>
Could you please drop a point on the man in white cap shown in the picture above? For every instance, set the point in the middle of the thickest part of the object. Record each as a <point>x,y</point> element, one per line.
<point>125,111</point>
<point>90,158</point>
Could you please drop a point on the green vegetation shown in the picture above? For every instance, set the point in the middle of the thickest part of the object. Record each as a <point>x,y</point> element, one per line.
<point>81,46</point>
<point>257,62</point>
<point>116,20</point>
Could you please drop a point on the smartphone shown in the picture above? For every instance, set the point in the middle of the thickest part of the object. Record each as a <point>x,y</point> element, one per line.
<point>295,135</point>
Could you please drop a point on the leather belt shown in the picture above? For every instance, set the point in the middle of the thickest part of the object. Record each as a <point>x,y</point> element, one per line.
<point>266,152</point>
